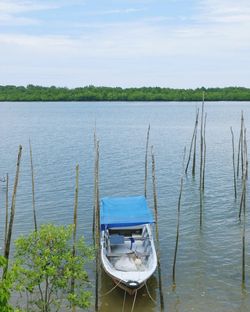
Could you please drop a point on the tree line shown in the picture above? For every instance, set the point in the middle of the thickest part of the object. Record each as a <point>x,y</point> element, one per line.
<point>93,93</point>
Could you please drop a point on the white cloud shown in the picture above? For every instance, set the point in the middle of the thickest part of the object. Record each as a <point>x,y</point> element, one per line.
<point>117,11</point>
<point>225,11</point>
<point>8,19</point>
<point>12,12</point>
<point>21,6</point>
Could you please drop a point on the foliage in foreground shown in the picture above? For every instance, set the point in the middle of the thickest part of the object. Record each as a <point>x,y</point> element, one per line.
<point>92,93</point>
<point>46,267</point>
<point>5,289</point>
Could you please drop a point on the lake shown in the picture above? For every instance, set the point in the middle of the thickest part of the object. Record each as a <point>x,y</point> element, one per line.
<point>208,269</point>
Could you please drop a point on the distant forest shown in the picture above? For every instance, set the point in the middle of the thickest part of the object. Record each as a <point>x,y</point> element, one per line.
<point>92,93</point>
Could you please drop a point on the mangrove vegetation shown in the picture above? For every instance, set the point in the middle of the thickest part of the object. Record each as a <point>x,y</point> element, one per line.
<point>92,93</point>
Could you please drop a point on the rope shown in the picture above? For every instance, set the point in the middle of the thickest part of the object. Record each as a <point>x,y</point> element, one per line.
<point>134,301</point>
<point>124,299</point>
<point>110,291</point>
<point>149,293</point>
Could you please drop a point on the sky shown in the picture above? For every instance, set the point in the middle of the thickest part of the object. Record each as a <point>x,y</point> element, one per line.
<point>125,43</point>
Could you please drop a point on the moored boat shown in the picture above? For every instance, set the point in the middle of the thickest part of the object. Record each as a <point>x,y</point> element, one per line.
<point>128,253</point>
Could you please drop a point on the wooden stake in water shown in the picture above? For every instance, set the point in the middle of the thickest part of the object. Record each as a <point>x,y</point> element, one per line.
<point>201,143</point>
<point>244,211</point>
<point>76,204</point>
<point>193,140</point>
<point>178,223</point>
<point>12,212</point>
<point>146,163</point>
<point>97,227</point>
<point>6,209</point>
<point>204,155</point>
<point>201,161</point>
<point>95,186</point>
<point>33,187</point>
<point>157,229</point>
<point>74,230</point>
<point>240,147</point>
<point>235,185</point>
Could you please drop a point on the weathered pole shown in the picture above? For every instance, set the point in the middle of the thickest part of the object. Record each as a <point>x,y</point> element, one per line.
<point>193,140</point>
<point>95,185</point>
<point>244,211</point>
<point>146,163</point>
<point>204,156</point>
<point>157,229</point>
<point>201,161</point>
<point>178,222</point>
<point>201,144</point>
<point>235,185</point>
<point>33,187</point>
<point>12,213</point>
<point>242,144</point>
<point>97,227</point>
<point>240,147</point>
<point>6,209</point>
<point>75,227</point>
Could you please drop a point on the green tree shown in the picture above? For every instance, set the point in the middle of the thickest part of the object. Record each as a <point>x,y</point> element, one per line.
<point>5,289</point>
<point>46,267</point>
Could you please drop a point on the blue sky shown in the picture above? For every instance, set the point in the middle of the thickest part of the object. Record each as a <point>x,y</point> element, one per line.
<point>127,43</point>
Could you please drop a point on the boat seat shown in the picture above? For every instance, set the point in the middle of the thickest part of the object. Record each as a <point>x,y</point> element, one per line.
<point>116,239</point>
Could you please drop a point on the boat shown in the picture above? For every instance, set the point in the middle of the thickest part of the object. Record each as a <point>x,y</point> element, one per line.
<point>128,253</point>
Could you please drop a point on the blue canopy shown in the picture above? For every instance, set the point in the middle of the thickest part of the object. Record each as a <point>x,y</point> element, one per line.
<point>124,211</point>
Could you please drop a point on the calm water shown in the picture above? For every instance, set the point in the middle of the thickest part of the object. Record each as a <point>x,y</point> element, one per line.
<point>209,260</point>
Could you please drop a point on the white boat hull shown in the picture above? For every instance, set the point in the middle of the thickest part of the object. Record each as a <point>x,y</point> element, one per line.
<point>130,263</point>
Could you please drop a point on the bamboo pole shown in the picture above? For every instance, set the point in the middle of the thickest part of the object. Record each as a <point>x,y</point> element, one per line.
<point>242,198</point>
<point>95,185</point>
<point>178,223</point>
<point>157,229</point>
<point>201,161</point>
<point>243,157</point>
<point>246,159</point>
<point>201,144</point>
<point>195,140</point>
<point>76,204</point>
<point>192,143</point>
<point>235,185</point>
<point>244,253</point>
<point>238,154</point>
<point>75,227</point>
<point>33,187</point>
<point>244,211</point>
<point>146,163</point>
<point>240,147</point>
<point>97,227</point>
<point>6,209</point>
<point>205,151</point>
<point>12,213</point>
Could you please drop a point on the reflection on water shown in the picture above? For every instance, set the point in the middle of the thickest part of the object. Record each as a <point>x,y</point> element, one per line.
<point>208,271</point>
